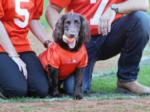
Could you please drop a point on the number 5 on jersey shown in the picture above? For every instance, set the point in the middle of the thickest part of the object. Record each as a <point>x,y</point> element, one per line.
<point>23,12</point>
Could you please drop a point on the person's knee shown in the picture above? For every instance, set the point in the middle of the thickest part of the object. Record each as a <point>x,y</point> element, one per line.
<point>42,91</point>
<point>16,91</point>
<point>140,27</point>
<point>69,89</point>
<point>69,85</point>
<point>70,82</point>
<point>143,21</point>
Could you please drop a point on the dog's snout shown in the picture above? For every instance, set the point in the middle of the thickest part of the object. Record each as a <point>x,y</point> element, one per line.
<point>72,34</point>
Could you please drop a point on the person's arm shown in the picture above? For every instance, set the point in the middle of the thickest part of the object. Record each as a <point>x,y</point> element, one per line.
<point>126,7</point>
<point>9,48</point>
<point>37,29</point>
<point>130,6</point>
<point>52,14</point>
<point>5,41</point>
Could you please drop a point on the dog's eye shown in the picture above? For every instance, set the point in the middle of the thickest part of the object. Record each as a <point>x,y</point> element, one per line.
<point>67,22</point>
<point>76,22</point>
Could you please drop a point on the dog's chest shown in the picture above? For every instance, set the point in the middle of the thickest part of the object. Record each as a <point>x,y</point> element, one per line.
<point>73,58</point>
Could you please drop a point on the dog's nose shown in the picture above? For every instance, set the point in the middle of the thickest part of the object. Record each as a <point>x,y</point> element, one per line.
<point>72,35</point>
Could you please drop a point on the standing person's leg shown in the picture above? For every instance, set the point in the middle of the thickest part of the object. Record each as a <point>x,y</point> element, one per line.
<point>38,85</point>
<point>12,80</point>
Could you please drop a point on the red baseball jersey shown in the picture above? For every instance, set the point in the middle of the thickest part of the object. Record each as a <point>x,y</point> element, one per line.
<point>90,9</point>
<point>66,61</point>
<point>16,16</point>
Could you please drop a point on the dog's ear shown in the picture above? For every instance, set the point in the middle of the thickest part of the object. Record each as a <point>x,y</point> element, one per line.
<point>58,31</point>
<point>84,31</point>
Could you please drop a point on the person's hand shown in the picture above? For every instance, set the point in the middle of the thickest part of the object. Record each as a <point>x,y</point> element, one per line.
<point>47,43</point>
<point>21,65</point>
<point>106,19</point>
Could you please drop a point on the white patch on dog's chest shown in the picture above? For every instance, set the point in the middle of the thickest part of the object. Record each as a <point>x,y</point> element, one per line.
<point>70,62</point>
<point>74,61</point>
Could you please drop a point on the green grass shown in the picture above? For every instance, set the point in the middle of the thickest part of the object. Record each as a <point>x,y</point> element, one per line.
<point>149,9</point>
<point>27,109</point>
<point>108,84</point>
<point>42,19</point>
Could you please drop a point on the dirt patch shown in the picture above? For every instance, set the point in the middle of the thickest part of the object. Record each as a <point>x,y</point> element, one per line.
<point>117,105</point>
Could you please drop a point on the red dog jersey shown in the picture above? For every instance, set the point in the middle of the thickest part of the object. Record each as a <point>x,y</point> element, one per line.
<point>64,60</point>
<point>16,16</point>
<point>90,9</point>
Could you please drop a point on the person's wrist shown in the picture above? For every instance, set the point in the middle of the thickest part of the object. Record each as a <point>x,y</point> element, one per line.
<point>46,43</point>
<point>14,55</point>
<point>112,11</point>
<point>114,7</point>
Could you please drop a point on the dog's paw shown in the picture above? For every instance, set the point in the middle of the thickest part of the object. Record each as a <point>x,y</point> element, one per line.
<point>77,97</point>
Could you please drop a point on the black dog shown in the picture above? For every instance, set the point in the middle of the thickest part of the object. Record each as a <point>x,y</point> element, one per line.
<point>73,26</point>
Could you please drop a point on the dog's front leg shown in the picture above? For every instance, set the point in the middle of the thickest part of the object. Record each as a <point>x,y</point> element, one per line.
<point>78,83</point>
<point>49,74</point>
<point>54,82</point>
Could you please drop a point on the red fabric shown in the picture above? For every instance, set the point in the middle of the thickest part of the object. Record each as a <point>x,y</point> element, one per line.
<point>9,11</point>
<point>85,8</point>
<point>64,60</point>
